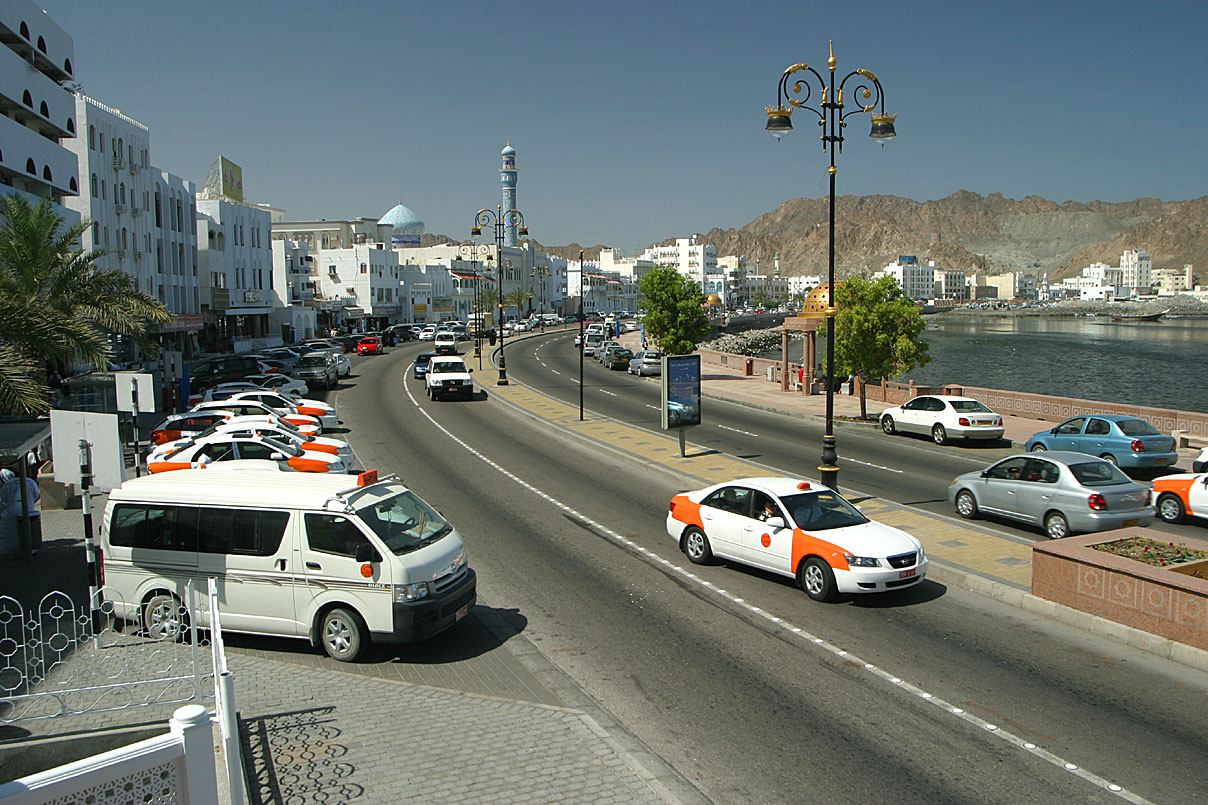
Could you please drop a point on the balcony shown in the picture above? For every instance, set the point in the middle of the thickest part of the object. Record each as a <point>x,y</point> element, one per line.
<point>119,163</point>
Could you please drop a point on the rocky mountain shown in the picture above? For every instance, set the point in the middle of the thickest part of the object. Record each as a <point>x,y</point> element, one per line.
<point>966,230</point>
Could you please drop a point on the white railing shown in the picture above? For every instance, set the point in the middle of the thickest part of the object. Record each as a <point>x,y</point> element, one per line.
<point>224,705</point>
<point>177,767</point>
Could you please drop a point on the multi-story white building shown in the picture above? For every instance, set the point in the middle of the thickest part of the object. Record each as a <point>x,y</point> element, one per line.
<point>235,269</point>
<point>917,281</point>
<point>1171,281</point>
<point>293,289</point>
<point>697,261</point>
<point>38,123</point>
<point>365,280</point>
<point>1136,268</point>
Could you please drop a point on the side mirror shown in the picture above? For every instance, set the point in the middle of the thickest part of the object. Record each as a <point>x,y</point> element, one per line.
<point>775,522</point>
<point>367,553</point>
<point>985,473</point>
<point>1053,431</point>
<point>469,371</point>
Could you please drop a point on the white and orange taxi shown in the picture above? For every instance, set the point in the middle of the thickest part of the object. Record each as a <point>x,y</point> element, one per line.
<point>793,528</point>
<point>1181,495</point>
<point>200,451</point>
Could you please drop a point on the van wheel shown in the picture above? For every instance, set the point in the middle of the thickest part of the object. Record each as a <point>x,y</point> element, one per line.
<point>165,618</point>
<point>342,634</point>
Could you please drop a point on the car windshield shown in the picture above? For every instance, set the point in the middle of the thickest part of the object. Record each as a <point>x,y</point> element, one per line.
<point>404,522</point>
<point>970,407</point>
<point>439,367</point>
<point>313,360</point>
<point>1137,427</point>
<point>1098,473</point>
<point>818,511</point>
<point>287,449</point>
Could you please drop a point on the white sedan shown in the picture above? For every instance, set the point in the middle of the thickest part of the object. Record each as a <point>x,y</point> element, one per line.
<point>199,451</point>
<point>943,417</point>
<point>278,430</point>
<point>797,529</point>
<point>282,384</point>
<point>325,413</point>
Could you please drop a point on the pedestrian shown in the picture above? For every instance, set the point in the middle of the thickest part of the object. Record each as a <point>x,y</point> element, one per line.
<point>11,511</point>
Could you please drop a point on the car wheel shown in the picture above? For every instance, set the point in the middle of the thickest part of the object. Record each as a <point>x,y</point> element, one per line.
<point>1056,526</point>
<point>1110,459</point>
<point>817,579</point>
<point>342,634</point>
<point>1038,448</point>
<point>1171,509</point>
<point>164,618</point>
<point>939,434</point>
<point>887,425</point>
<point>696,545</point>
<point>966,504</point>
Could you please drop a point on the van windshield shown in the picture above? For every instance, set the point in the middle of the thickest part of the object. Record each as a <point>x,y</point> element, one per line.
<point>404,522</point>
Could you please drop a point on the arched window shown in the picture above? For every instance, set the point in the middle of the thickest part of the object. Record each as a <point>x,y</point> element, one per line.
<point>28,99</point>
<point>71,125</point>
<point>67,66</point>
<point>24,30</point>
<point>121,193</point>
<point>71,185</point>
<point>102,141</point>
<point>117,149</point>
<point>44,109</point>
<point>92,184</point>
<point>41,44</point>
<point>46,173</point>
<point>30,167</point>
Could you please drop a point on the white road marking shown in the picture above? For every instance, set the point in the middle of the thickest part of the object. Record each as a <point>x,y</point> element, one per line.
<point>866,464</point>
<point>609,393</point>
<point>820,642</point>
<point>736,430</point>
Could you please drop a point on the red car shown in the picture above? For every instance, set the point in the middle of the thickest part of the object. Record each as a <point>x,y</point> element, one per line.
<point>371,345</point>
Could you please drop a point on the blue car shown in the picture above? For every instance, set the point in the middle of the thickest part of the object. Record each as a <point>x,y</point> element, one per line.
<point>1126,441</point>
<point>421,363</point>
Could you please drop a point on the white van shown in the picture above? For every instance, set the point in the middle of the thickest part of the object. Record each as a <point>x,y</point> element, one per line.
<point>592,342</point>
<point>341,560</point>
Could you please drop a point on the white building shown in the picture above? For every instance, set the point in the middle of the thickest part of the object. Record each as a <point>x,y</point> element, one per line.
<point>364,279</point>
<point>39,120</point>
<point>697,261</point>
<point>1171,281</point>
<point>235,269</point>
<point>1137,269</point>
<point>293,289</point>
<point>916,281</point>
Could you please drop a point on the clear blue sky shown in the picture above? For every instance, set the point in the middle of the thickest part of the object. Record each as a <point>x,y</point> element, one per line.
<point>636,121</point>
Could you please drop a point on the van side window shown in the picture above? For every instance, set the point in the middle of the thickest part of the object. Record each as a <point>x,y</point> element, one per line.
<point>250,533</point>
<point>160,528</point>
<point>332,534</point>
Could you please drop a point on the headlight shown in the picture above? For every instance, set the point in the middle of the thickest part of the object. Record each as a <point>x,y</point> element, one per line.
<point>863,561</point>
<point>410,592</point>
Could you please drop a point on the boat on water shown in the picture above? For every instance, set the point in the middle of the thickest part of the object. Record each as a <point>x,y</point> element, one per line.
<point>1139,316</point>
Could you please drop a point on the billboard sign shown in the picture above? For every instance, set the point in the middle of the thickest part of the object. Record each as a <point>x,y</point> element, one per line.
<point>681,391</point>
<point>232,179</point>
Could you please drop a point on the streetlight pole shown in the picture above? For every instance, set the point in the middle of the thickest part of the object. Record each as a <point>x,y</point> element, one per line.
<point>581,318</point>
<point>477,253</point>
<point>500,220</point>
<point>832,119</point>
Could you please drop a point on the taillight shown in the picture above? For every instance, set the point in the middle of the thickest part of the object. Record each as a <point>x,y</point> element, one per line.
<point>1097,502</point>
<point>1137,447</point>
<point>964,423</point>
<point>671,507</point>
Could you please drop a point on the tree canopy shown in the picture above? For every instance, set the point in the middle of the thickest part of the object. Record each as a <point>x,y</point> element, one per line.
<point>56,304</point>
<point>675,318</point>
<point>877,331</point>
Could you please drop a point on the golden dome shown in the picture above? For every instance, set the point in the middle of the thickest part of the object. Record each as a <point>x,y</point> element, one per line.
<point>818,303</point>
<point>713,299</point>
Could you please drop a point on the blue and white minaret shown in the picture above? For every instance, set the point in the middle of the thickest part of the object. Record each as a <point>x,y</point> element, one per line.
<point>507,178</point>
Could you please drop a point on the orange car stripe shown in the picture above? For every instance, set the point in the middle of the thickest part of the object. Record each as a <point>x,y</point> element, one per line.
<point>320,448</point>
<point>1180,486</point>
<point>808,545</point>
<point>308,465</point>
<point>686,511</point>
<point>168,466</point>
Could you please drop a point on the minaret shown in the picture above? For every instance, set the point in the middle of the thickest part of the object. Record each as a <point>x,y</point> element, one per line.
<point>507,177</point>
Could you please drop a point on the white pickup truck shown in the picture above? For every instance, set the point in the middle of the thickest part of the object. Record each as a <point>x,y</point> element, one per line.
<point>448,376</point>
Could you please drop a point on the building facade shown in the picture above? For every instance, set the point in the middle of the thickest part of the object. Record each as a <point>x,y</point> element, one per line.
<point>1136,268</point>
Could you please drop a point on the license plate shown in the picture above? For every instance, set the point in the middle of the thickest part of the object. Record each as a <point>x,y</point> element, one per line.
<point>461,613</point>
<point>906,574</point>
<point>1128,523</point>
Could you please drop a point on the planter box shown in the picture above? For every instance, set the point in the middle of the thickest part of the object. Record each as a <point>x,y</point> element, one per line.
<point>1169,602</point>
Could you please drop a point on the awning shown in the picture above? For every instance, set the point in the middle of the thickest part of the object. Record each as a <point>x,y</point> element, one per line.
<point>353,312</point>
<point>247,311</point>
<point>19,436</point>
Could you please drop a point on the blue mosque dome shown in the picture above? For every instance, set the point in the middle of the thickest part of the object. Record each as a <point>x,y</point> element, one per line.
<point>406,227</point>
<point>508,151</point>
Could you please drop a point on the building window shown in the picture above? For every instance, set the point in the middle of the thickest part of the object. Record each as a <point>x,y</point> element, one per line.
<point>92,184</point>
<point>44,109</point>
<point>24,30</point>
<point>30,167</point>
<point>67,66</point>
<point>92,138</point>
<point>103,197</point>
<point>96,232</point>
<point>159,221</point>
<point>71,125</point>
<point>41,44</point>
<point>27,99</point>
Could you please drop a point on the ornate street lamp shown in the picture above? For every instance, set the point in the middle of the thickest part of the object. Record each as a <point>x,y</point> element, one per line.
<point>500,219</point>
<point>794,93</point>
<point>476,253</point>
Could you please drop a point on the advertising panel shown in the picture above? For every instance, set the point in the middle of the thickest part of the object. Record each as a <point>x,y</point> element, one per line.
<point>681,391</point>
<point>232,179</point>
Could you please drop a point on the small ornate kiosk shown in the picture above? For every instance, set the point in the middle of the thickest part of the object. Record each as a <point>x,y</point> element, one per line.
<point>814,311</point>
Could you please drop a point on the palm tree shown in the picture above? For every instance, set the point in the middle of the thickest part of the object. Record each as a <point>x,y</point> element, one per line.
<point>516,299</point>
<point>488,298</point>
<point>56,304</point>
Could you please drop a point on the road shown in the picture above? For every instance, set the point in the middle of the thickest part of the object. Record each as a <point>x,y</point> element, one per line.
<point>749,689</point>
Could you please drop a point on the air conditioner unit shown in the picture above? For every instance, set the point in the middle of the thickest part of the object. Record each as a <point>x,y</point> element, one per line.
<point>136,210</point>
<point>119,208</point>
<point>138,255</point>
<point>135,167</point>
<point>119,164</point>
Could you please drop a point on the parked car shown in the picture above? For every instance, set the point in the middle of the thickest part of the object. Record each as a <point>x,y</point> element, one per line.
<point>1063,492</point>
<point>646,362</point>
<point>421,363</point>
<point>617,358</point>
<point>603,348</point>
<point>445,343</point>
<point>1126,441</point>
<point>202,450</point>
<point>318,369</point>
<point>369,345</point>
<point>209,372</point>
<point>304,423</point>
<point>448,376</point>
<point>1181,496</point>
<point>182,426</point>
<point>428,333</point>
<point>943,417</point>
<point>1200,464</point>
<point>277,429</point>
<point>284,405</point>
<point>323,345</point>
<point>793,528</point>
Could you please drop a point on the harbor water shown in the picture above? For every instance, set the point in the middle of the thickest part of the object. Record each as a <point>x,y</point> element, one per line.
<point>1162,364</point>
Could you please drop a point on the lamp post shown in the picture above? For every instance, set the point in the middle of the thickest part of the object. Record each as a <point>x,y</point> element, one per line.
<point>794,93</point>
<point>581,318</point>
<point>500,220</point>
<point>476,253</point>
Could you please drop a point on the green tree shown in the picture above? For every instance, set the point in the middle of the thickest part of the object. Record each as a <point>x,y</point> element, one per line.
<point>877,331</point>
<point>517,298</point>
<point>488,298</point>
<point>675,316</point>
<point>56,304</point>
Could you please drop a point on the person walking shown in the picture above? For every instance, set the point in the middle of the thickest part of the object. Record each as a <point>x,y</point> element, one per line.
<point>11,512</point>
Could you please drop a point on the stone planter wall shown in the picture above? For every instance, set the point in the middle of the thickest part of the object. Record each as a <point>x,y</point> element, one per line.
<point>1153,599</point>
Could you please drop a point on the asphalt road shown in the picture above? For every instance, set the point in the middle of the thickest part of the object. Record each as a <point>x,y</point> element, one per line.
<point>704,665</point>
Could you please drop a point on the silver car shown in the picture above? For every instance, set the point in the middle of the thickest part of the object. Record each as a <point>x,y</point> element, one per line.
<point>646,362</point>
<point>1062,492</point>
